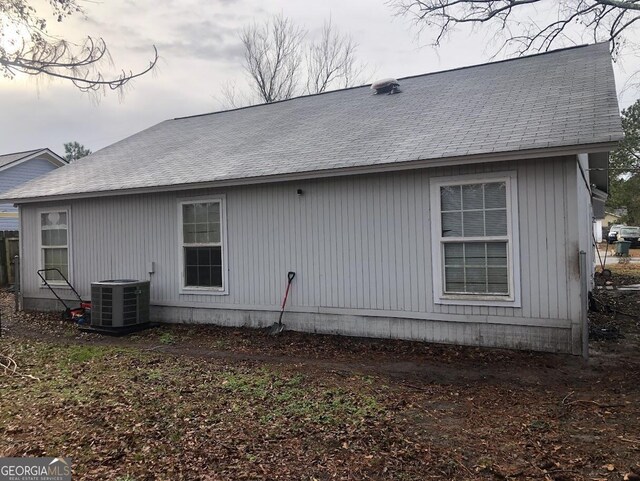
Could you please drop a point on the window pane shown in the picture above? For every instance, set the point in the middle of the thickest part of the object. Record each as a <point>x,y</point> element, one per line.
<point>202,236</point>
<point>216,256</point>
<point>214,233</point>
<point>476,279</point>
<point>472,197</point>
<point>454,277</point>
<point>453,254</point>
<point>495,195</point>
<point>475,254</point>
<point>191,275</point>
<point>203,266</point>
<point>476,267</point>
<point>201,223</point>
<point>498,279</point>
<point>188,213</point>
<point>201,213</point>
<point>496,221</point>
<point>204,276</point>
<point>55,258</point>
<point>213,212</point>
<point>204,256</point>
<point>473,224</point>
<point>497,253</point>
<point>59,237</point>
<point>451,224</point>
<point>53,219</point>
<point>475,210</point>
<point>191,256</point>
<point>216,276</point>
<point>450,197</point>
<point>189,233</point>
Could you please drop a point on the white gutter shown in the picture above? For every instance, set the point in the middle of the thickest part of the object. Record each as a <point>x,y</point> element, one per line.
<point>368,169</point>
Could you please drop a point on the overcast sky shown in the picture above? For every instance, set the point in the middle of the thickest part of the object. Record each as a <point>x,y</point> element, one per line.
<point>200,51</point>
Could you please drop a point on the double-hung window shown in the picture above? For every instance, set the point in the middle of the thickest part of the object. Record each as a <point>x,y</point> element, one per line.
<point>54,243</point>
<point>202,230</point>
<point>474,229</point>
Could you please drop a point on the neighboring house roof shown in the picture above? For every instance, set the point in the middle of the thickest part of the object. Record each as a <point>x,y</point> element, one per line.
<point>563,100</point>
<point>11,160</point>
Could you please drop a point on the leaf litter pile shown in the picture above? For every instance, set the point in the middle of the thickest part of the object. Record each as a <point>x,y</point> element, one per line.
<point>204,403</point>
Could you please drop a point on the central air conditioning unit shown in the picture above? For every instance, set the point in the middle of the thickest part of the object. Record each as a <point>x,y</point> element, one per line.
<point>119,303</point>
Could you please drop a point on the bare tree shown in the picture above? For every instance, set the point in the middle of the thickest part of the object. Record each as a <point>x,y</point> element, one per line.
<point>231,97</point>
<point>567,20</point>
<point>273,55</point>
<point>331,61</point>
<point>277,63</point>
<point>26,47</point>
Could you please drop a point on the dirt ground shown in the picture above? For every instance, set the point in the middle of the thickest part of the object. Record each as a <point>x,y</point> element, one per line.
<point>206,403</point>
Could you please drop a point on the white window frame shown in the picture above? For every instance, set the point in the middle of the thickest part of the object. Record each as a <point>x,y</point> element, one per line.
<point>512,299</point>
<point>211,291</point>
<point>51,210</point>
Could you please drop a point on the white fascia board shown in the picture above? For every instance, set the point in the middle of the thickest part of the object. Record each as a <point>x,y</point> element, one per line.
<point>46,154</point>
<point>369,169</point>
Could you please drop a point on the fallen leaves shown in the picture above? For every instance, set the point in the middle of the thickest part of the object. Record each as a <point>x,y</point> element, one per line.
<point>261,410</point>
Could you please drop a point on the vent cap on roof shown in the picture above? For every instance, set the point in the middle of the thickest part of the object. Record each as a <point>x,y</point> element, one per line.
<point>386,86</point>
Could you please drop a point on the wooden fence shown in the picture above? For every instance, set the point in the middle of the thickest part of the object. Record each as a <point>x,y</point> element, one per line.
<point>9,248</point>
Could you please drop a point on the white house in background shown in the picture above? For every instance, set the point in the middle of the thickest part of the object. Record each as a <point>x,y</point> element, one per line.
<point>452,211</point>
<point>18,168</point>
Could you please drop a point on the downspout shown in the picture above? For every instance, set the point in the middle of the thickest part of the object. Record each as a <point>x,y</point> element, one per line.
<point>19,278</point>
<point>584,276</point>
<point>584,304</point>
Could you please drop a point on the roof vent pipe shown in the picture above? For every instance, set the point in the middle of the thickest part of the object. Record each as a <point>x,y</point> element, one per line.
<point>386,86</point>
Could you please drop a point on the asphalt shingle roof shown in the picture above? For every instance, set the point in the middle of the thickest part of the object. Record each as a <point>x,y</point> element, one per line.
<point>7,159</point>
<point>557,99</point>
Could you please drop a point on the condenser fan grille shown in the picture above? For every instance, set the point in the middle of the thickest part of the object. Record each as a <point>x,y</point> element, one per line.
<point>120,303</point>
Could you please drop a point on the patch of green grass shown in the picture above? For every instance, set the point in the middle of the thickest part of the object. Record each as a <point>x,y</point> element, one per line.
<point>72,394</point>
<point>167,338</point>
<point>79,354</point>
<point>155,375</point>
<point>288,398</point>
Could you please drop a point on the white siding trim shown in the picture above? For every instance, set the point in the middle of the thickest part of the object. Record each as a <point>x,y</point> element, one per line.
<point>513,251</point>
<point>209,291</point>
<point>422,316</point>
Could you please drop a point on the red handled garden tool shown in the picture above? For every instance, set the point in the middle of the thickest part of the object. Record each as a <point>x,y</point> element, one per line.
<point>278,327</point>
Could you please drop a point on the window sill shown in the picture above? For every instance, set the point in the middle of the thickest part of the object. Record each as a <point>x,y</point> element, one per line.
<point>203,291</point>
<point>56,285</point>
<point>471,300</point>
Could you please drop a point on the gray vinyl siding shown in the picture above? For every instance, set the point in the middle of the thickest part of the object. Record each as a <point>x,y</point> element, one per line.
<point>360,246</point>
<point>18,175</point>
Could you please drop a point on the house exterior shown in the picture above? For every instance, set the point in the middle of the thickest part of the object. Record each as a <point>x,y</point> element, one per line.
<point>18,168</point>
<point>603,222</point>
<point>456,211</point>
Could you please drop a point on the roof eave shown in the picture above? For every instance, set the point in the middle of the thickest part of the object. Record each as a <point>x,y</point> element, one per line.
<point>53,158</point>
<point>369,169</point>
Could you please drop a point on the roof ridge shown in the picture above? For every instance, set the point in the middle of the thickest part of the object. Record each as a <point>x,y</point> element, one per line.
<point>538,54</point>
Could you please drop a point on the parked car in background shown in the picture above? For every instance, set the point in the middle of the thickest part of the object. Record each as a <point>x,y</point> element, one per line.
<point>630,234</point>
<point>613,233</point>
